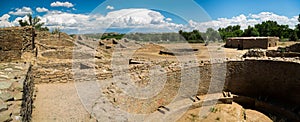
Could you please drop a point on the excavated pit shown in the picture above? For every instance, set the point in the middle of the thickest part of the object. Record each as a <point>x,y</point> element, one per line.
<point>271,87</point>
<point>180,51</point>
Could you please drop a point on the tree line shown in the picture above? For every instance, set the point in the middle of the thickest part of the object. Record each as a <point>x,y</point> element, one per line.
<point>192,37</point>
<point>266,28</point>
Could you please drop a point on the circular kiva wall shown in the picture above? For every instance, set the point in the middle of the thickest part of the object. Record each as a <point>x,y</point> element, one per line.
<point>276,83</point>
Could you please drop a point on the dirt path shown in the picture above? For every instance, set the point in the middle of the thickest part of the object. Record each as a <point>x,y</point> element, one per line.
<point>58,102</point>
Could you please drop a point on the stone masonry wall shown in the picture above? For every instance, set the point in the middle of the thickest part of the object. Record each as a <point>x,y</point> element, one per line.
<point>14,42</point>
<point>28,89</point>
<point>294,48</point>
<point>260,43</point>
<point>265,78</point>
<point>233,43</point>
<point>53,73</point>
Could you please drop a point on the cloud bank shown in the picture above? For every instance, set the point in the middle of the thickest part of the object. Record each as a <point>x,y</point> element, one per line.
<point>120,19</point>
<point>135,19</point>
<point>21,11</point>
<point>244,21</point>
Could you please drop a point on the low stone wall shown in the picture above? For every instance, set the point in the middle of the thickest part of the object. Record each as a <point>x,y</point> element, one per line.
<point>272,53</point>
<point>52,73</point>
<point>14,42</point>
<point>294,48</point>
<point>52,76</point>
<point>28,89</point>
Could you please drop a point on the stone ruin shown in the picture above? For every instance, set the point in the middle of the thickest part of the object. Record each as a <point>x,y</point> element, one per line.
<point>260,83</point>
<point>255,53</point>
<point>282,52</point>
<point>16,78</point>
<point>15,42</point>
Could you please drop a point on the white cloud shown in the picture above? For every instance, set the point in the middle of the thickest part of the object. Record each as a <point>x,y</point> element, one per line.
<point>38,9</point>
<point>61,4</point>
<point>169,19</point>
<point>55,12</point>
<point>110,7</point>
<point>121,19</point>
<point>4,21</point>
<point>242,20</point>
<point>21,11</point>
<point>5,17</point>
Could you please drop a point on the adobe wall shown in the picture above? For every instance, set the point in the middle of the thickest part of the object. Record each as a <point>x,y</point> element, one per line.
<point>273,42</point>
<point>233,43</point>
<point>252,43</point>
<point>247,44</point>
<point>14,42</point>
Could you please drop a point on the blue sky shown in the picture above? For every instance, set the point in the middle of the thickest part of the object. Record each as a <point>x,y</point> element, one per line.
<point>229,8</point>
<point>171,15</point>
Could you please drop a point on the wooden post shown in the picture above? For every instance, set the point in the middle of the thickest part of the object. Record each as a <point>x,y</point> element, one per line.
<point>33,35</point>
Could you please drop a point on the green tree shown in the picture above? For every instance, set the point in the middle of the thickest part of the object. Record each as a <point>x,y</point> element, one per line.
<point>297,29</point>
<point>180,32</point>
<point>230,31</point>
<point>293,36</point>
<point>269,28</point>
<point>34,22</point>
<point>250,31</point>
<point>23,23</point>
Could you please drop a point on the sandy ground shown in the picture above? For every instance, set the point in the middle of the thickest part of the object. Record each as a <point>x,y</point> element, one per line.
<point>58,102</point>
<point>151,51</point>
<point>225,113</point>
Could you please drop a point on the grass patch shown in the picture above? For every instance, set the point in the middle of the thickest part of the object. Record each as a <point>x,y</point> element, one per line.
<point>193,117</point>
<point>213,109</point>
